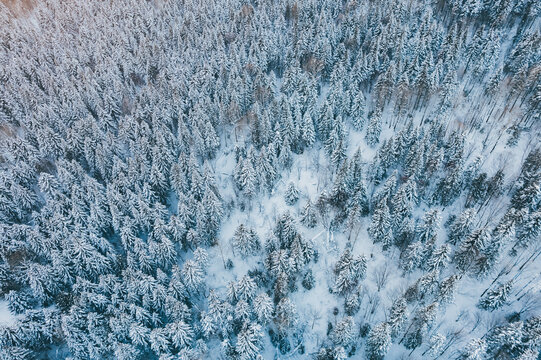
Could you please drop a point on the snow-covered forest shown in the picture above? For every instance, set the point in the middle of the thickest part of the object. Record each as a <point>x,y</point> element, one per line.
<point>279,179</point>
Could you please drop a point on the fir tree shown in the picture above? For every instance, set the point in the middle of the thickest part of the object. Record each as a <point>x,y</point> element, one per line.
<point>496,298</point>
<point>440,258</point>
<point>529,229</point>
<point>470,249</point>
<point>419,326</point>
<point>249,342</point>
<point>379,341</point>
<point>309,215</point>
<point>308,130</point>
<point>285,316</point>
<point>344,332</point>
<point>357,111</point>
<point>349,270</point>
<point>461,226</point>
<point>263,308</point>
<point>181,334</point>
<point>436,343</point>
<point>397,316</point>
<point>381,222</point>
<point>429,226</point>
<point>291,195</point>
<point>245,241</point>
<point>474,350</point>
<point>412,257</point>
<point>447,288</point>
<point>193,275</point>
<point>373,130</point>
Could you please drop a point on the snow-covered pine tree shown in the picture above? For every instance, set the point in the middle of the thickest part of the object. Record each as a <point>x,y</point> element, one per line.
<point>474,350</point>
<point>309,215</point>
<point>373,129</point>
<point>461,226</point>
<point>496,298</point>
<point>381,222</point>
<point>192,275</point>
<point>245,241</point>
<point>357,110</point>
<point>291,195</point>
<point>440,258</point>
<point>344,332</point>
<point>249,341</point>
<point>349,270</point>
<point>379,341</point>
<point>420,325</point>
<point>470,248</point>
<point>398,314</point>
<point>308,132</point>
<point>263,308</point>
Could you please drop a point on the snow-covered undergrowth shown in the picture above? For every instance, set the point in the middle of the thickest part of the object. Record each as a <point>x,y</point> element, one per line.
<point>270,180</point>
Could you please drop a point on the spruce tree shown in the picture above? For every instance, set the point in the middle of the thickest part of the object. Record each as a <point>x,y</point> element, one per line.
<point>344,332</point>
<point>470,249</point>
<point>373,130</point>
<point>291,195</point>
<point>379,341</point>
<point>245,241</point>
<point>249,341</point>
<point>397,316</point>
<point>496,298</point>
<point>309,215</point>
<point>381,222</point>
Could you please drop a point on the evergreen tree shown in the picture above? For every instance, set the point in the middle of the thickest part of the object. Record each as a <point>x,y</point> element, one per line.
<point>263,308</point>
<point>245,241</point>
<point>429,226</point>
<point>440,258</point>
<point>412,257</point>
<point>291,195</point>
<point>379,341</point>
<point>474,350</point>
<point>246,178</point>
<point>352,303</point>
<point>449,187</point>
<point>344,332</point>
<point>529,229</point>
<point>245,289</point>
<point>420,325</point>
<point>496,298</point>
<point>470,249</point>
<point>285,316</point>
<point>307,130</point>
<point>242,311</point>
<point>309,215</point>
<point>461,226</point>
<point>403,202</point>
<point>340,190</point>
<point>397,316</point>
<point>181,334</point>
<point>357,111</point>
<point>249,341</point>
<point>373,130</point>
<point>18,301</point>
<point>192,275</point>
<point>349,270</point>
<point>436,343</point>
<point>266,167</point>
<point>285,156</point>
<point>381,222</point>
